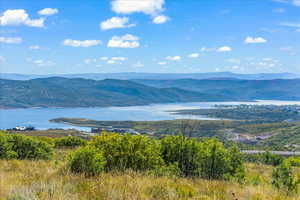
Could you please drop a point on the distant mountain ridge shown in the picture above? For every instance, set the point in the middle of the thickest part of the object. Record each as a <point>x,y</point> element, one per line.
<point>277,89</point>
<point>64,92</point>
<point>157,76</point>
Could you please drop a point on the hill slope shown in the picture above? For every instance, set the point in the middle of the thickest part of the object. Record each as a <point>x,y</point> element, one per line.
<point>278,89</point>
<point>62,92</point>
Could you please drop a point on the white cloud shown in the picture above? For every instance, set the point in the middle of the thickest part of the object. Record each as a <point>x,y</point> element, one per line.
<point>104,58</point>
<point>34,47</point>
<point>116,22</point>
<point>11,40</point>
<point>43,63</point>
<point>81,43</point>
<point>111,62</point>
<point>150,7</point>
<point>290,24</point>
<point>224,49</point>
<point>173,58</point>
<point>194,55</point>
<point>48,11</point>
<point>251,40</point>
<point>119,58</point>
<point>205,49</point>
<point>89,61</point>
<point>125,41</point>
<point>162,63</point>
<point>160,19</point>
<point>19,17</point>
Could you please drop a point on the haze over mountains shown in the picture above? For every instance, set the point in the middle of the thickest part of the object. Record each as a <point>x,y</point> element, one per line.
<point>64,92</point>
<point>157,76</point>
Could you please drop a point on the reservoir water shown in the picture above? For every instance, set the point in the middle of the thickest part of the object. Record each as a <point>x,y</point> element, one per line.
<point>39,117</point>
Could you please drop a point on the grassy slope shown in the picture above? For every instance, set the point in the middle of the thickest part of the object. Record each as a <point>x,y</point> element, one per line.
<point>48,180</point>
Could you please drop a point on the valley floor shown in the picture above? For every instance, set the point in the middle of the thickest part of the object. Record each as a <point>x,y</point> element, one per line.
<point>48,180</point>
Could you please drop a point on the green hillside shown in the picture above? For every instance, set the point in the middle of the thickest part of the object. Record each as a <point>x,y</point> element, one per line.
<point>278,89</point>
<point>62,92</point>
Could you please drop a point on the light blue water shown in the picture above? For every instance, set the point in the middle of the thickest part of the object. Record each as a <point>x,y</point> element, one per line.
<point>39,117</point>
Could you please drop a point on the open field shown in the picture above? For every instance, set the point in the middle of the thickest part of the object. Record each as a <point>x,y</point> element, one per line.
<point>49,180</point>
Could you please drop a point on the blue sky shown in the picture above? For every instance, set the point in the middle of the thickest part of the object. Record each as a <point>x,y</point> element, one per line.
<point>174,36</point>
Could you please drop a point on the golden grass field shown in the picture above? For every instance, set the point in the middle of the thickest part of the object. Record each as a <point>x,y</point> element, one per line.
<point>31,180</point>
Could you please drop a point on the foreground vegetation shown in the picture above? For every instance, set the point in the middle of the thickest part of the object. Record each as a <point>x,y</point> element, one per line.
<point>111,166</point>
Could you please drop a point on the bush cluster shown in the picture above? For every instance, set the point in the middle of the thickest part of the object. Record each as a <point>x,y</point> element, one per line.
<point>266,158</point>
<point>23,147</point>
<point>285,178</point>
<point>69,141</point>
<point>172,154</point>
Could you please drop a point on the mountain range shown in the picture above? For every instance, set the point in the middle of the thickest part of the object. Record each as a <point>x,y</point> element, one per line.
<point>156,76</point>
<point>77,92</point>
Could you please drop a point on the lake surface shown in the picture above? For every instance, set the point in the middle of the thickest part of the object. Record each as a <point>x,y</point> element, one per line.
<point>39,117</point>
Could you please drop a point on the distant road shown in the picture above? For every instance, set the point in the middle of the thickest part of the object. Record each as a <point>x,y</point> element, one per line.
<point>282,153</point>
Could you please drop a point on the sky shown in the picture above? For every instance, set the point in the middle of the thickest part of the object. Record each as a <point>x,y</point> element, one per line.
<point>157,36</point>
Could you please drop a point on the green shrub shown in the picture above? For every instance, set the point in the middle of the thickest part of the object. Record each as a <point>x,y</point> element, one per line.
<point>23,147</point>
<point>5,148</point>
<point>207,159</point>
<point>69,141</point>
<point>294,161</point>
<point>128,152</point>
<point>88,161</point>
<point>29,148</point>
<point>271,159</point>
<point>183,152</point>
<point>266,158</point>
<point>216,161</point>
<point>284,178</point>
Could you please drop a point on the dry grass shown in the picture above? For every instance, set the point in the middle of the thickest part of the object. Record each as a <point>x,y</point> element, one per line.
<point>31,180</point>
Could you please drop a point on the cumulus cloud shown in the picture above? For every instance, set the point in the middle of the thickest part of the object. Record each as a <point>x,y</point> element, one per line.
<point>111,62</point>
<point>81,43</point>
<point>205,49</point>
<point>173,58</point>
<point>125,41</point>
<point>194,55</point>
<point>150,7</point>
<point>252,40</point>
<point>118,58</point>
<point>43,63</point>
<point>104,58</point>
<point>19,17</point>
<point>116,22</point>
<point>48,11</point>
<point>11,40</point>
<point>224,49</point>
<point>34,47</point>
<point>160,19</point>
<point>162,63</point>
